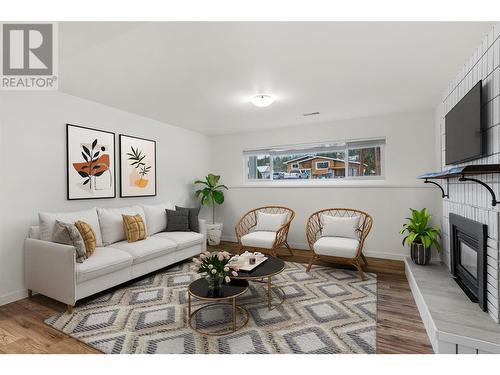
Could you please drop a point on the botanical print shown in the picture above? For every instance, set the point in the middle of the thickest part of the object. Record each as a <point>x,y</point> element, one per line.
<point>137,166</point>
<point>136,159</point>
<point>90,154</point>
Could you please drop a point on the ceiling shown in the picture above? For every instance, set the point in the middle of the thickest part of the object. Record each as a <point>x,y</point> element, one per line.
<point>201,75</point>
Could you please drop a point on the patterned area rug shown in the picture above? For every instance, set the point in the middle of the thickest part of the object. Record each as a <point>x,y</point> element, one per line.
<point>327,310</point>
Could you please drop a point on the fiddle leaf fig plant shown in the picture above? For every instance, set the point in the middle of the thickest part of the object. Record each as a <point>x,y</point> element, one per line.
<point>211,192</point>
<point>419,231</point>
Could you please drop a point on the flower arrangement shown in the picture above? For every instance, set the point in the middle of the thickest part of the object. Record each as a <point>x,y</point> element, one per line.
<point>215,267</point>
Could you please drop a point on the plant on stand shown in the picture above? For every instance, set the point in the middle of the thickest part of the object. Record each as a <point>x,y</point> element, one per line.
<point>216,268</point>
<point>420,236</point>
<point>212,194</point>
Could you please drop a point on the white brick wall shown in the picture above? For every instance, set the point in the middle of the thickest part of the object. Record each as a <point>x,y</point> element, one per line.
<point>469,199</point>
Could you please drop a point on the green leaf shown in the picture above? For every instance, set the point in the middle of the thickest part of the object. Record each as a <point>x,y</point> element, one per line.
<point>218,197</point>
<point>213,180</point>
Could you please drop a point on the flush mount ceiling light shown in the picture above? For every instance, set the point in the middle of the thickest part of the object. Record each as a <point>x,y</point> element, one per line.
<point>262,100</point>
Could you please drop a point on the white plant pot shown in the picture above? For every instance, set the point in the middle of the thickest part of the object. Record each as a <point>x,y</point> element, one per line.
<point>214,233</point>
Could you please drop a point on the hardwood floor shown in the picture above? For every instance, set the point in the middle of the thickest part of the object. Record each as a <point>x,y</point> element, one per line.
<point>399,327</point>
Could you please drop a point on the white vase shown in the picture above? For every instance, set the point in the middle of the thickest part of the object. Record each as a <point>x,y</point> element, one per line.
<point>214,233</point>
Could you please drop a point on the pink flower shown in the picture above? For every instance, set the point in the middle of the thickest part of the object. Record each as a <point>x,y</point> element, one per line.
<point>234,273</point>
<point>220,256</point>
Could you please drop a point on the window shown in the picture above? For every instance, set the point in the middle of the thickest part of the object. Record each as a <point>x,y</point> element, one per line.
<point>322,165</point>
<point>332,160</point>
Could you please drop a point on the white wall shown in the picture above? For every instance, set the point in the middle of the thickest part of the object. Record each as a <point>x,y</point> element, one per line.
<point>469,199</point>
<point>410,150</point>
<point>33,166</point>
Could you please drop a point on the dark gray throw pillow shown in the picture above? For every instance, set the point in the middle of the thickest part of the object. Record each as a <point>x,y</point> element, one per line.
<point>194,225</point>
<point>177,221</point>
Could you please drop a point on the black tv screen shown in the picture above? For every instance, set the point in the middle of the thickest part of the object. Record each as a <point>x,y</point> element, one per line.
<point>464,135</point>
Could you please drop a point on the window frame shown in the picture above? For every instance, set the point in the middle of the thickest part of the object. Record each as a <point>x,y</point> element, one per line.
<point>334,146</point>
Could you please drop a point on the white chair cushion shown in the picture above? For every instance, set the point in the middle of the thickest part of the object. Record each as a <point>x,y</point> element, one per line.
<point>48,221</point>
<point>103,261</point>
<point>156,217</point>
<point>270,222</point>
<point>111,222</point>
<point>151,247</point>
<point>336,246</point>
<point>182,239</point>
<point>339,226</point>
<point>263,239</point>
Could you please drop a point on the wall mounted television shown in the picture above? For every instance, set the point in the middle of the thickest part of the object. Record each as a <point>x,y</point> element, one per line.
<point>464,131</point>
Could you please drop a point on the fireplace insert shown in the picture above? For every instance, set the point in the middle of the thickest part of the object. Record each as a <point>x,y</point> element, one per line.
<point>468,257</point>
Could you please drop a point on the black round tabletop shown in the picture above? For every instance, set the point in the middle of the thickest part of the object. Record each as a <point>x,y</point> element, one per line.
<point>199,288</point>
<point>272,266</point>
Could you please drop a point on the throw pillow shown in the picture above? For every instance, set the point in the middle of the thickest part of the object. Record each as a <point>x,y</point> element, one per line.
<point>270,222</point>
<point>339,226</point>
<point>88,236</point>
<point>156,219</point>
<point>68,234</point>
<point>177,221</point>
<point>134,228</point>
<point>194,225</point>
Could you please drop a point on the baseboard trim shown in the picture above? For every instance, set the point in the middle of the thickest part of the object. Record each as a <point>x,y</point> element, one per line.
<point>369,253</point>
<point>13,296</point>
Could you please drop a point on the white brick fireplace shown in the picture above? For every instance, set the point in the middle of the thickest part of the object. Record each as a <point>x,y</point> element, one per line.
<point>470,199</point>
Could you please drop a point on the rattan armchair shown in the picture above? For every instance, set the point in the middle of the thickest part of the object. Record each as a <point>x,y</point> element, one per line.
<point>314,232</point>
<point>278,240</point>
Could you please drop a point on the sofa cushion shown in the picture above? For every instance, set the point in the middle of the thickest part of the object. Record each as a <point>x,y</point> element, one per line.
<point>182,239</point>
<point>111,222</point>
<point>48,221</point>
<point>103,261</point>
<point>333,226</point>
<point>270,222</point>
<point>264,239</point>
<point>151,247</point>
<point>336,246</point>
<point>156,217</point>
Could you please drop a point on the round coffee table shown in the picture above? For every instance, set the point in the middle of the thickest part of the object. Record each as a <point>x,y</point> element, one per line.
<point>266,270</point>
<point>226,296</point>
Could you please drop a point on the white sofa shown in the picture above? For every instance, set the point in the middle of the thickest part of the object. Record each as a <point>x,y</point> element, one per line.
<point>51,268</point>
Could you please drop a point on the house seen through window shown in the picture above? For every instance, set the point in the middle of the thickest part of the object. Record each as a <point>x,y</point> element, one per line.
<point>351,159</point>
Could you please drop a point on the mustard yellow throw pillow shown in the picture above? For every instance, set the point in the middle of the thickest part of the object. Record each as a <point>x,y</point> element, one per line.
<point>134,228</point>
<point>88,236</point>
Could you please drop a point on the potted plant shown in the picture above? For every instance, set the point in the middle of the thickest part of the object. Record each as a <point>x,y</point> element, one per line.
<point>216,267</point>
<point>211,194</point>
<point>420,236</point>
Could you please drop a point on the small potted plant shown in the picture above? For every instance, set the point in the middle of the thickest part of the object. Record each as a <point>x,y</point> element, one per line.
<point>211,194</point>
<point>216,267</point>
<point>420,236</point>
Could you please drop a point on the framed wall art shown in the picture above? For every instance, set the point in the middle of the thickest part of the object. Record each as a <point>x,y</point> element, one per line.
<point>137,167</point>
<point>90,168</point>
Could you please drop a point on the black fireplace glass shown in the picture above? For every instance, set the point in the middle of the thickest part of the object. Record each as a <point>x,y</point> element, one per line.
<point>468,259</point>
